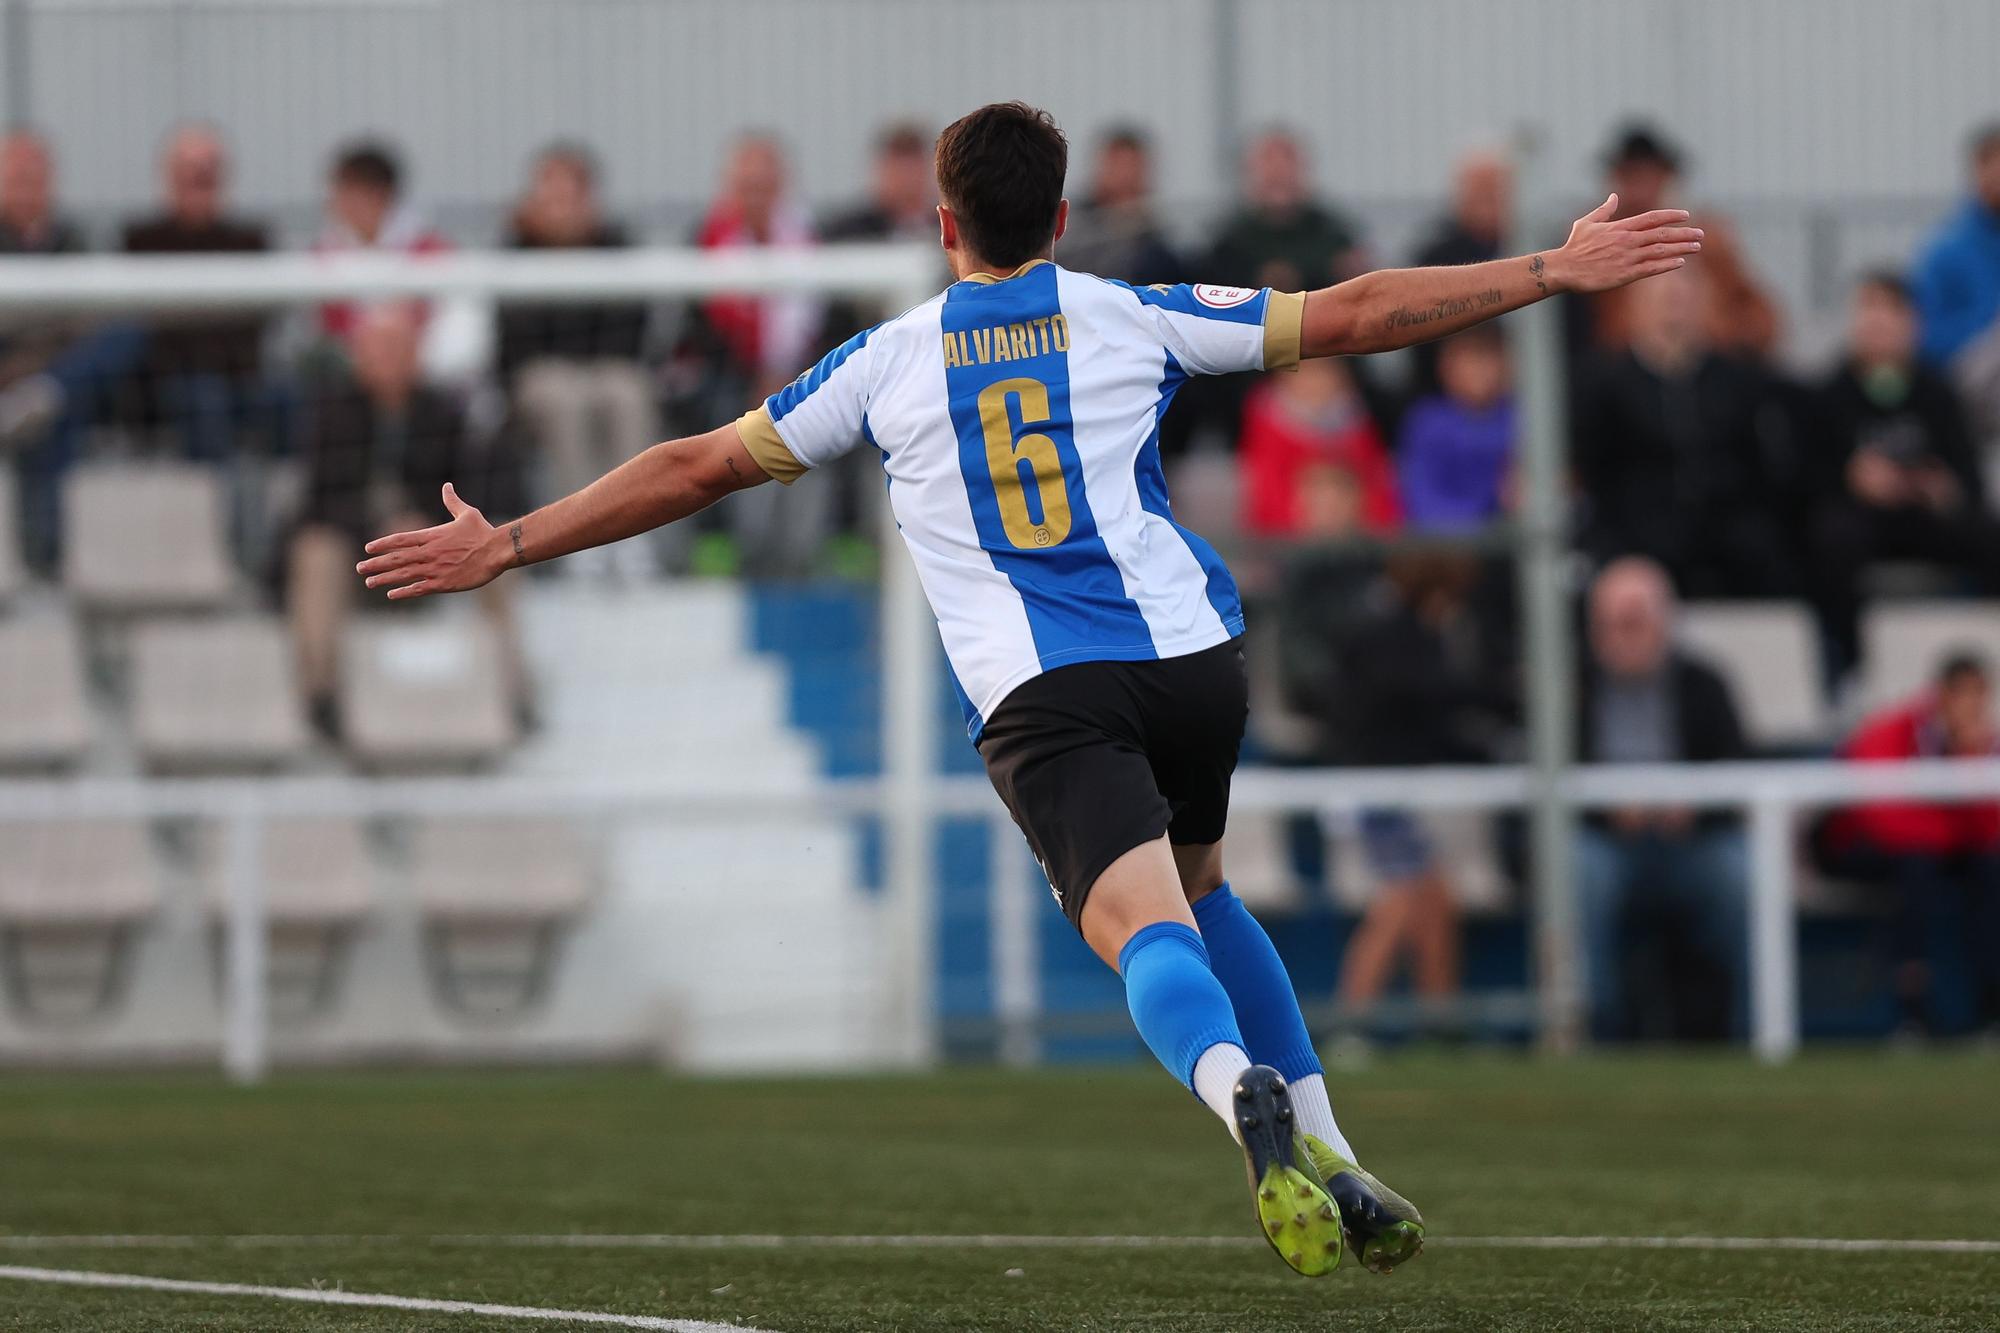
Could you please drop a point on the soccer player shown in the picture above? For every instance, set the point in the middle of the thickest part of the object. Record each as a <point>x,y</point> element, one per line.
<point>1093,641</point>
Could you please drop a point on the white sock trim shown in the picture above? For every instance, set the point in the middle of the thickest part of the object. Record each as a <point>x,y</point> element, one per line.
<point>1215,1075</point>
<point>1315,1112</point>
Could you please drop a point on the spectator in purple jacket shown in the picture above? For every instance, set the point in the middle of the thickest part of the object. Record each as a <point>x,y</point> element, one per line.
<point>1456,451</point>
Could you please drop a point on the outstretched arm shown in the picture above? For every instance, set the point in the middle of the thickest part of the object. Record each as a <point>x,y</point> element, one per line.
<point>667,482</point>
<point>1392,308</point>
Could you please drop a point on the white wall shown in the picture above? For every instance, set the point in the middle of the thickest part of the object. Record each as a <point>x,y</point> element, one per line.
<point>1786,98</point>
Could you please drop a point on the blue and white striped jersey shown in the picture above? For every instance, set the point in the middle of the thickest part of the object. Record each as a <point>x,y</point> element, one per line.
<point>1018,420</point>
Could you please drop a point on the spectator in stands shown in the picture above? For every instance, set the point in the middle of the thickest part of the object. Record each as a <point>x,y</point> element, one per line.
<point>750,346</point>
<point>1482,204</point>
<point>1667,455</point>
<point>1307,440</point>
<point>1927,853</point>
<point>1643,701</point>
<point>1423,677</point>
<point>1283,237</point>
<point>202,369</point>
<point>1115,233</point>
<point>902,197</point>
<point>1957,280</point>
<point>1896,476</point>
<point>378,453</point>
<point>574,370</point>
<point>56,374</point>
<point>365,211</point>
<point>1455,456</point>
<point>1957,284</point>
<point>1738,317</point>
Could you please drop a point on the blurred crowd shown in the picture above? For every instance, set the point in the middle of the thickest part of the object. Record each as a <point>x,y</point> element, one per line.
<point>1365,497</point>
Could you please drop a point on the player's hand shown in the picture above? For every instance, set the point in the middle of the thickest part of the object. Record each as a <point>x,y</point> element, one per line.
<point>1605,252</point>
<point>468,552</point>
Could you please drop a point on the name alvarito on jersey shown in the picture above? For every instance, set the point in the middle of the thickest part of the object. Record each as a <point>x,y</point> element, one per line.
<point>1006,342</point>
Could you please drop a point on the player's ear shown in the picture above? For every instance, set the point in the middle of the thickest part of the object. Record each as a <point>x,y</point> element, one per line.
<point>947,227</point>
<point>1062,219</point>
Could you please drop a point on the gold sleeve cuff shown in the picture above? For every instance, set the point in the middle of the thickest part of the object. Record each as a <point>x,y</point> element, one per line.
<point>1284,322</point>
<point>761,438</point>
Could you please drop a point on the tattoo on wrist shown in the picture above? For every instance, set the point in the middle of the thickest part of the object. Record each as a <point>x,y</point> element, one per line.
<point>1537,267</point>
<point>734,470</point>
<point>514,533</point>
<point>1402,317</point>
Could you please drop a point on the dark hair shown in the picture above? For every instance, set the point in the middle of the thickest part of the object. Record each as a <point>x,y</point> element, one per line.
<point>902,139</point>
<point>1639,142</point>
<point>1126,136</point>
<point>1959,663</point>
<point>368,163</point>
<point>1888,281</point>
<point>1000,170</point>
<point>1984,140</point>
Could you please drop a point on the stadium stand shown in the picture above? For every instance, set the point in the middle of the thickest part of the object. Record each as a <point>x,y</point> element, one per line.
<point>319,888</point>
<point>13,577</point>
<point>1768,652</point>
<point>215,694</point>
<point>45,716</point>
<point>423,692</point>
<point>1905,641</point>
<point>71,894</point>
<point>145,536</point>
<point>495,896</point>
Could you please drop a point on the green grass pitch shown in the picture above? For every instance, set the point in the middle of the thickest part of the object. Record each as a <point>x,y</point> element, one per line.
<point>1837,1145</point>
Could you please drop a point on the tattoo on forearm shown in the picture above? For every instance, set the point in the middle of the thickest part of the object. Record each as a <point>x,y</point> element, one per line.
<point>520,556</point>
<point>734,470</point>
<point>1536,267</point>
<point>1402,317</point>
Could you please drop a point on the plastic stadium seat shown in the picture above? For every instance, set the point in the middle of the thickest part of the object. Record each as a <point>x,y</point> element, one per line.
<point>145,537</point>
<point>1904,641</point>
<point>316,872</point>
<point>71,894</point>
<point>13,577</point>
<point>495,895</point>
<point>423,692</point>
<point>215,694</point>
<point>1768,652</point>
<point>319,887</point>
<point>45,719</point>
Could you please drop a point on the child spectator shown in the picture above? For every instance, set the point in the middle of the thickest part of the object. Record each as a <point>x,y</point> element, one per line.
<point>1457,450</point>
<point>1299,425</point>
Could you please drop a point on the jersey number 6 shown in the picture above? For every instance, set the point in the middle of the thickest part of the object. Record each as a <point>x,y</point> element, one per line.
<point>1006,455</point>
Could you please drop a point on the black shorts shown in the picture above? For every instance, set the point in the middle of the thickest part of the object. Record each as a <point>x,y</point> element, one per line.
<point>1097,758</point>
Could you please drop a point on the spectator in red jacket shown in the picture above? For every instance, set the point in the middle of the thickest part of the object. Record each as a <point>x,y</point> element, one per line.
<point>1298,426</point>
<point>1930,853</point>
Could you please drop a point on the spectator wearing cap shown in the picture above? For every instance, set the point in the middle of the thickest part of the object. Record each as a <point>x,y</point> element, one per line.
<point>204,369</point>
<point>1931,856</point>
<point>1116,234</point>
<point>1738,316</point>
<point>1641,700</point>
<point>1894,473</point>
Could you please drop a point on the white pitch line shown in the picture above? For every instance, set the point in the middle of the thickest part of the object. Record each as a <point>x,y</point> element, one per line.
<point>315,1296</point>
<point>767,1241</point>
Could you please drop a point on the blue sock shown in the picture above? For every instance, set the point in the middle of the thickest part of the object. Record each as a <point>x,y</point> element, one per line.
<point>1245,961</point>
<point>1180,1008</point>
